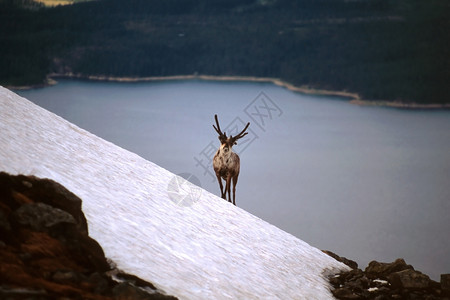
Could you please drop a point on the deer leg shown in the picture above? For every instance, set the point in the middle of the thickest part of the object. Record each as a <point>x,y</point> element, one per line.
<point>219,179</point>
<point>228,188</point>
<point>235,178</point>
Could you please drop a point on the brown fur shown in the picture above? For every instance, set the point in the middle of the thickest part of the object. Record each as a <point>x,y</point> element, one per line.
<point>226,163</point>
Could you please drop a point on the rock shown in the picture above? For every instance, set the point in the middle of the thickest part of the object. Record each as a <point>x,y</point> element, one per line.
<point>18,190</point>
<point>60,224</point>
<point>383,290</point>
<point>345,293</point>
<point>363,282</point>
<point>22,293</point>
<point>89,250</point>
<point>99,282</point>
<point>135,280</point>
<point>27,184</point>
<point>127,291</point>
<point>409,279</point>
<point>377,269</point>
<point>135,286</point>
<point>41,217</point>
<point>20,198</point>
<point>56,195</point>
<point>336,280</point>
<point>6,182</point>
<point>45,249</point>
<point>352,264</point>
<point>445,284</point>
<point>353,275</point>
<point>403,282</point>
<point>4,223</point>
<point>66,277</point>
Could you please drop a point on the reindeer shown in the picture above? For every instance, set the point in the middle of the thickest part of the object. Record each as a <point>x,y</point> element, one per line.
<point>226,163</point>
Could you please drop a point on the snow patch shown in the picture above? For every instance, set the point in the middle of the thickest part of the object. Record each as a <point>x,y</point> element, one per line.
<point>207,250</point>
<point>381,281</point>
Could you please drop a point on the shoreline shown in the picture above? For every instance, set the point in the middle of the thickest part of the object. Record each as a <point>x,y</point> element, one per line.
<point>275,81</point>
<point>398,104</point>
<point>354,98</point>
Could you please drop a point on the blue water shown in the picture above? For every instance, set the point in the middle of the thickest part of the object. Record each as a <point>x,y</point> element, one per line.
<point>365,182</point>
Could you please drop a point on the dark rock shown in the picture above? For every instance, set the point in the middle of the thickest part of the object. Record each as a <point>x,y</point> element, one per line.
<point>4,223</point>
<point>100,282</point>
<point>415,296</point>
<point>355,286</point>
<point>409,279</point>
<point>352,264</point>
<point>20,293</point>
<point>56,195</point>
<point>136,284</point>
<point>382,297</point>
<point>445,284</point>
<point>336,280</point>
<point>41,217</point>
<point>92,252</point>
<point>6,232</point>
<point>18,190</point>
<point>403,282</point>
<point>378,269</point>
<point>6,184</point>
<point>363,282</point>
<point>383,290</point>
<point>25,256</point>
<point>345,293</point>
<point>66,277</point>
<point>27,184</point>
<point>353,275</point>
<point>135,280</point>
<point>127,291</point>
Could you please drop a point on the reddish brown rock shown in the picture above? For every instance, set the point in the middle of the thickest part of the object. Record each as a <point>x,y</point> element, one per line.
<point>45,250</point>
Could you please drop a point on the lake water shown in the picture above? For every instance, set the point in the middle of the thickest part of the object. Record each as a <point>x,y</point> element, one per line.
<point>368,183</point>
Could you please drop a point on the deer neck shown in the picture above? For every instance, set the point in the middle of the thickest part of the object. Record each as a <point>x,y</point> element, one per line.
<point>226,152</point>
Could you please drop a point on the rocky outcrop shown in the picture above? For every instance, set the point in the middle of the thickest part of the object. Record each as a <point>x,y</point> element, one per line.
<point>46,252</point>
<point>352,264</point>
<point>380,281</point>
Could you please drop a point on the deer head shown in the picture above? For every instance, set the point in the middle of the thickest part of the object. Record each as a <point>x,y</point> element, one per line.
<point>228,142</point>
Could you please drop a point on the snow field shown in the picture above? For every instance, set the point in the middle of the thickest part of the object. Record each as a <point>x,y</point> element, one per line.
<point>209,249</point>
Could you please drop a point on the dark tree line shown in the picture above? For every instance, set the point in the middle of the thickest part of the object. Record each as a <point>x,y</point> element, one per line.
<point>381,49</point>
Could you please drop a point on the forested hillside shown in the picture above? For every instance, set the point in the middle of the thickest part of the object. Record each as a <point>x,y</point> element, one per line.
<point>395,50</point>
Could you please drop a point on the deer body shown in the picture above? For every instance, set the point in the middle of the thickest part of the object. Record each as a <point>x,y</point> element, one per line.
<point>226,163</point>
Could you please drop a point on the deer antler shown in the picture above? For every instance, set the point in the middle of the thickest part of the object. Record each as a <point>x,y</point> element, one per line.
<point>240,135</point>
<point>222,135</point>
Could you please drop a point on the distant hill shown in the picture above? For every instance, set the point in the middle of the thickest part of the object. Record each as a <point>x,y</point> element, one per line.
<point>395,50</point>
